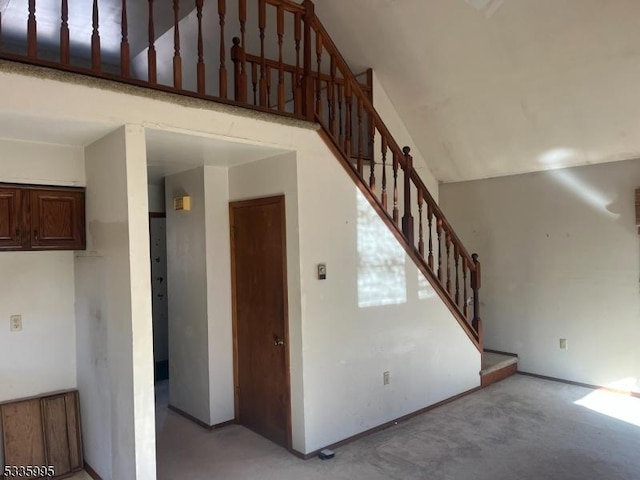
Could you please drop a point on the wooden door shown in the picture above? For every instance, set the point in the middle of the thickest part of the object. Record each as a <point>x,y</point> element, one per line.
<point>11,218</point>
<point>260,317</point>
<point>57,219</point>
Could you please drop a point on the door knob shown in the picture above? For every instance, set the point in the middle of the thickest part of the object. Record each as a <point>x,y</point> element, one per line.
<point>277,341</point>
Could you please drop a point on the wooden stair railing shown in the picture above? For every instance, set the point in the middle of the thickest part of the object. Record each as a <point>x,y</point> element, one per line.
<point>297,71</point>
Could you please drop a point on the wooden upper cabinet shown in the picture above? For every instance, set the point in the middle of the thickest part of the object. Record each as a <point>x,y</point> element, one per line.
<point>42,218</point>
<point>57,219</point>
<point>11,218</point>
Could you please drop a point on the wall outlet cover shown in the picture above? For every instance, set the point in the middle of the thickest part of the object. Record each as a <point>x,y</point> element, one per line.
<point>15,322</point>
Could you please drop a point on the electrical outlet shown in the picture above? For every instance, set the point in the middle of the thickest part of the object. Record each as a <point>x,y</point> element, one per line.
<point>564,344</point>
<point>385,378</point>
<point>15,322</point>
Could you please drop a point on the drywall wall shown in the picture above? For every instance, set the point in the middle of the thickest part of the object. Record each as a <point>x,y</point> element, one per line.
<point>40,358</point>
<point>41,163</point>
<point>396,126</point>
<point>559,254</point>
<point>187,292</point>
<point>38,285</point>
<point>374,313</point>
<point>278,176</point>
<point>113,311</point>
<point>218,266</point>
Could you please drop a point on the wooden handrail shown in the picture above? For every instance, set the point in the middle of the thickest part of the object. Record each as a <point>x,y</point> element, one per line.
<point>321,88</point>
<point>288,5</point>
<point>448,243</point>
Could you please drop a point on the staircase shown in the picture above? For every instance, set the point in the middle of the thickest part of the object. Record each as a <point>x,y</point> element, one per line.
<point>271,56</point>
<point>497,366</point>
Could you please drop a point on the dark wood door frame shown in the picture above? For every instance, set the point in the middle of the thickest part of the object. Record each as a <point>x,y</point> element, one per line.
<point>279,200</point>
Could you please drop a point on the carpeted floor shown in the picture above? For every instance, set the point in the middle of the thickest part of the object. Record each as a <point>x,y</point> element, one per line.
<point>522,429</point>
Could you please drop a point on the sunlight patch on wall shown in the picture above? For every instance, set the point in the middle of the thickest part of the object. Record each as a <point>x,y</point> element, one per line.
<point>557,158</point>
<point>381,267</point>
<point>612,404</point>
<point>425,290</point>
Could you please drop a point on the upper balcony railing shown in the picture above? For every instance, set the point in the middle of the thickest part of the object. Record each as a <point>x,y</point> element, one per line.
<point>269,55</point>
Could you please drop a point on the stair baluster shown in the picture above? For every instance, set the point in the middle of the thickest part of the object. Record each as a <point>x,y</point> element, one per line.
<point>262,23</point>
<point>32,31</point>
<point>360,140</point>
<point>125,69</point>
<point>177,59</point>
<point>280,31</point>
<point>384,197</point>
<point>64,33</point>
<point>95,39</point>
<point>222,12</point>
<point>297,25</point>
<point>201,66</point>
<point>151,51</point>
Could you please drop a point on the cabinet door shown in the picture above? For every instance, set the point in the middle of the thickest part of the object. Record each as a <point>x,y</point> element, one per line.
<point>22,434</point>
<point>11,218</point>
<point>62,433</point>
<point>57,219</point>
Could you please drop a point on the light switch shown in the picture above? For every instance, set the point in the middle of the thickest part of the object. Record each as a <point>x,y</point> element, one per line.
<point>322,271</point>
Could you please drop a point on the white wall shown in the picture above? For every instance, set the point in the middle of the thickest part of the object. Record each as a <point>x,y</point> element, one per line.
<point>275,176</point>
<point>40,358</point>
<point>559,253</point>
<point>38,285</point>
<point>373,313</point>
<point>41,163</point>
<point>398,129</point>
<point>218,265</point>
<point>113,311</point>
<point>187,297</point>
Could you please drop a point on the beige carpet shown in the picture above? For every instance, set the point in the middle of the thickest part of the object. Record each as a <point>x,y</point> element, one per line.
<point>522,429</point>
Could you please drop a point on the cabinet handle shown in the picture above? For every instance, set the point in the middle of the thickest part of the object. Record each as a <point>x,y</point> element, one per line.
<point>17,233</point>
<point>35,234</point>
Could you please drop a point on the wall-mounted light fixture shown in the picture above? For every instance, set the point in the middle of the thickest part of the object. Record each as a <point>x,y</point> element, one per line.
<point>182,203</point>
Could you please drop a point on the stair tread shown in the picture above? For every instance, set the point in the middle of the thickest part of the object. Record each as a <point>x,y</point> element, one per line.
<point>494,361</point>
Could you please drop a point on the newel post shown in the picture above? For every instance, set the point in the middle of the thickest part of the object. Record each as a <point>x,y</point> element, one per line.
<point>476,281</point>
<point>407,219</point>
<point>237,57</point>
<point>308,94</point>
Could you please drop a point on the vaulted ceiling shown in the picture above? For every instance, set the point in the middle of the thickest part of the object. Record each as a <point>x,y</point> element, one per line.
<point>497,87</point>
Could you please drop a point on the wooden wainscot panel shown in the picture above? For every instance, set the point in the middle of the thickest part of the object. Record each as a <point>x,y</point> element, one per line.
<point>43,432</point>
<point>22,434</point>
